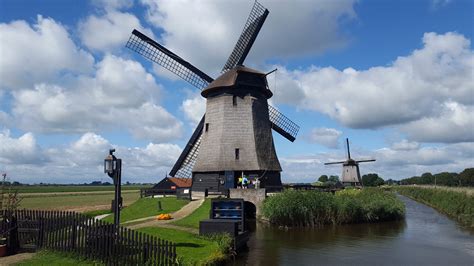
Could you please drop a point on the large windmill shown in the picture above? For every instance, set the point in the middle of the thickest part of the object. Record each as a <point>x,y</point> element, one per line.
<point>350,169</point>
<point>234,137</point>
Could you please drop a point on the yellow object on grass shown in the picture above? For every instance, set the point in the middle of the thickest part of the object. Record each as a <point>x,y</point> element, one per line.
<point>164,216</point>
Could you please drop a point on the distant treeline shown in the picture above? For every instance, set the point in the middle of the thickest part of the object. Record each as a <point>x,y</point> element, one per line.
<point>463,179</point>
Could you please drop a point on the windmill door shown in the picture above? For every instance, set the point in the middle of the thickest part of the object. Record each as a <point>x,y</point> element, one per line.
<point>229,179</point>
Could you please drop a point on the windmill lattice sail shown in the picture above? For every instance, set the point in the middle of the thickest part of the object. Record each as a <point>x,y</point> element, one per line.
<point>247,38</point>
<point>157,53</point>
<point>282,124</point>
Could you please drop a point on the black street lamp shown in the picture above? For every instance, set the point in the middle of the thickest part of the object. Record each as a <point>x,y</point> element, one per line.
<point>113,168</point>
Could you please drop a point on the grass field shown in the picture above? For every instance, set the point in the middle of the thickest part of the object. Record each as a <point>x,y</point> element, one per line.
<point>146,207</point>
<point>77,202</point>
<point>65,188</point>
<point>192,249</point>
<point>192,220</point>
<point>46,257</point>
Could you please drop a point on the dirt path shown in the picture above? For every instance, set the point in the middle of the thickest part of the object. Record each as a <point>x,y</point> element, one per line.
<point>13,259</point>
<point>178,215</point>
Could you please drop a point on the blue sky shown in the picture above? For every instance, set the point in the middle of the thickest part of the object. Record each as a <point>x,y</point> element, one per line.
<point>395,77</point>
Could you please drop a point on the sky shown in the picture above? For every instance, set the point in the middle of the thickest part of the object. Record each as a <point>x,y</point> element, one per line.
<point>395,77</point>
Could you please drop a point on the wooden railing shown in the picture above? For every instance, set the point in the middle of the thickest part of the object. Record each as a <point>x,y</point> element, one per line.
<point>88,238</point>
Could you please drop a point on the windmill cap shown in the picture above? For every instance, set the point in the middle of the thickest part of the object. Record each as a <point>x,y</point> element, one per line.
<point>239,77</point>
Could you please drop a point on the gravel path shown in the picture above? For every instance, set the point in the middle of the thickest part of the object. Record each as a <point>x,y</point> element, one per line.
<point>13,259</point>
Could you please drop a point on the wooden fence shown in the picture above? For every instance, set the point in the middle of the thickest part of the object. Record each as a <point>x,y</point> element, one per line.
<point>88,238</point>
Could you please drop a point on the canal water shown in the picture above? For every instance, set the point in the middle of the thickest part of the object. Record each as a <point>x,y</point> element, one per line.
<point>425,237</point>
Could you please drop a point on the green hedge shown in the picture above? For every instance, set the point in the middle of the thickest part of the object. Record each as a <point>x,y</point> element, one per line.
<point>314,208</point>
<point>456,204</point>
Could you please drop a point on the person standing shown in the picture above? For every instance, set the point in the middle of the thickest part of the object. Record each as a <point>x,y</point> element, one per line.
<point>245,182</point>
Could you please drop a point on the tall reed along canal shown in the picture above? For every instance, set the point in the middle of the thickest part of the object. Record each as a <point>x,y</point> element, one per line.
<point>424,237</point>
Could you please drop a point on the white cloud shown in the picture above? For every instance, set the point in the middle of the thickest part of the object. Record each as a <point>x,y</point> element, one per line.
<point>39,52</point>
<point>121,95</point>
<point>405,91</point>
<point>194,107</point>
<point>405,145</point>
<point>208,44</point>
<point>110,31</point>
<point>82,160</point>
<point>328,137</point>
<point>454,124</point>
<point>22,150</point>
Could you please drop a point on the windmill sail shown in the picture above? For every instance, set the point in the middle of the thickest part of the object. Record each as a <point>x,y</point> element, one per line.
<point>184,165</point>
<point>247,38</point>
<point>157,53</point>
<point>282,124</point>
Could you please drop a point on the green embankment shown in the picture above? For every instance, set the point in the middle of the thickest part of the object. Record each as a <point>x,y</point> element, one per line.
<point>146,207</point>
<point>313,208</point>
<point>457,204</point>
<point>192,220</point>
<point>193,249</point>
<point>47,257</point>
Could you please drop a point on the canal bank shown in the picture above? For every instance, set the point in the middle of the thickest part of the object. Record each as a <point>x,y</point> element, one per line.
<point>425,237</point>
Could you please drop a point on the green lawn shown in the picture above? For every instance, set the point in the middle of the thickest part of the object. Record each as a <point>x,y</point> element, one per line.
<point>47,257</point>
<point>66,188</point>
<point>199,214</point>
<point>65,202</point>
<point>146,207</point>
<point>191,249</point>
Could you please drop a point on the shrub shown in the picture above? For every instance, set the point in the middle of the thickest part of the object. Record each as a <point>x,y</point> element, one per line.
<point>314,208</point>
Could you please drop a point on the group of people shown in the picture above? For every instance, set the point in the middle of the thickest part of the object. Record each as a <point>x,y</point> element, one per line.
<point>244,182</point>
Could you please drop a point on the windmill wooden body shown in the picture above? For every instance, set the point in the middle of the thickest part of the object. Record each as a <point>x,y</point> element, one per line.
<point>350,169</point>
<point>234,137</point>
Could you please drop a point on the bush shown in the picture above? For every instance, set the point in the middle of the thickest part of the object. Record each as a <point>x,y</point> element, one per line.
<point>314,208</point>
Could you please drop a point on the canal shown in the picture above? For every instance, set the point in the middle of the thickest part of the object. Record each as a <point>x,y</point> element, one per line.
<point>425,237</point>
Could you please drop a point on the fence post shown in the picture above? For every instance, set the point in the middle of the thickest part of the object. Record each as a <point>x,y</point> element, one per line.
<point>41,228</point>
<point>74,233</point>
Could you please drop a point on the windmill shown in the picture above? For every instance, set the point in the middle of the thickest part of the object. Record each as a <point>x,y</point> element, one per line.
<point>234,137</point>
<point>350,169</point>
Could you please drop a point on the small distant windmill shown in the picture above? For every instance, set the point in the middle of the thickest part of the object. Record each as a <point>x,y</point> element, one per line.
<point>350,169</point>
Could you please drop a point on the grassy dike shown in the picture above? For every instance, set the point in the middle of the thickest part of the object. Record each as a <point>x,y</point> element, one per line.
<point>313,208</point>
<point>456,204</point>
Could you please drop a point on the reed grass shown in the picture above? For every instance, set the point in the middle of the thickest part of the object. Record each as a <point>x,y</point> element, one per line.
<point>457,204</point>
<point>314,208</point>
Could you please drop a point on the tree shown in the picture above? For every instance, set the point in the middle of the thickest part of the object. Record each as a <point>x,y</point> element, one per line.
<point>323,178</point>
<point>466,177</point>
<point>372,180</point>
<point>334,178</point>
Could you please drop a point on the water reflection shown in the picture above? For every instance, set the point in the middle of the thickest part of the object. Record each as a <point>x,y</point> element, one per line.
<point>424,238</point>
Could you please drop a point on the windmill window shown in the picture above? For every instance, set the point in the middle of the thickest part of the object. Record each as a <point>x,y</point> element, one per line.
<point>207,127</point>
<point>234,100</point>
<point>237,154</point>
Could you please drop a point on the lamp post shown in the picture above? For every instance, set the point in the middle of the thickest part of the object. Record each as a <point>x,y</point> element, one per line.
<point>113,168</point>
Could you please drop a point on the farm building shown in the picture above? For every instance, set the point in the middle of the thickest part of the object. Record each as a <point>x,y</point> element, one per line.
<point>169,186</point>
